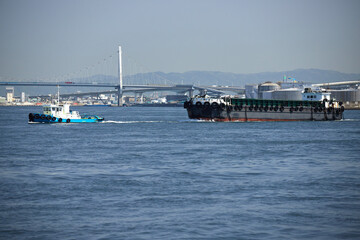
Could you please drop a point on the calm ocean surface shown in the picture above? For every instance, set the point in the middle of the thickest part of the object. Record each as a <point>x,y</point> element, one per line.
<point>151,173</point>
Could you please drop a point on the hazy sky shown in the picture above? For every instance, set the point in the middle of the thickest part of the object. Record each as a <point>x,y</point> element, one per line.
<point>47,38</point>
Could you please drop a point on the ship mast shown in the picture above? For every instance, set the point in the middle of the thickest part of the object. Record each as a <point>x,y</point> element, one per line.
<point>58,86</point>
<point>120,90</point>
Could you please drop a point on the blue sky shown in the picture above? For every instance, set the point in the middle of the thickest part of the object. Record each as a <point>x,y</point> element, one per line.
<point>47,38</point>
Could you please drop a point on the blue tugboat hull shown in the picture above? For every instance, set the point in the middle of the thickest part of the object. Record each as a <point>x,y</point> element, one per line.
<point>42,118</point>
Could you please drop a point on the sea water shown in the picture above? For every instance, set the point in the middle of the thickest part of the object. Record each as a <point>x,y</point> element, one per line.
<point>151,173</point>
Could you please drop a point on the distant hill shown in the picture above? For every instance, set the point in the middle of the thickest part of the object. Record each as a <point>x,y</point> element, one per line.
<point>225,78</point>
<point>199,78</point>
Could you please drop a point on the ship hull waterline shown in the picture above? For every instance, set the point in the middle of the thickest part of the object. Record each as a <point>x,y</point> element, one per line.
<point>42,118</point>
<point>208,113</point>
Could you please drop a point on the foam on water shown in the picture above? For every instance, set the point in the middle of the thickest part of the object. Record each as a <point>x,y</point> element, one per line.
<point>129,122</point>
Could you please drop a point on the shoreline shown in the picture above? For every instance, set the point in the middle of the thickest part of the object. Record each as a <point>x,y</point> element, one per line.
<point>81,105</point>
<point>351,107</point>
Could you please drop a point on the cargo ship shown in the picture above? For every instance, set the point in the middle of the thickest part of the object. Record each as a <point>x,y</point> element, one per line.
<point>314,106</point>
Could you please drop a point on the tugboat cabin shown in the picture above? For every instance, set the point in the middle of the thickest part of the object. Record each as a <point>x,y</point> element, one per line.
<point>62,111</point>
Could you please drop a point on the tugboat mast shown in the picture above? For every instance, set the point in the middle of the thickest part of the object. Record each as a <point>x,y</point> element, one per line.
<point>120,92</point>
<point>58,95</point>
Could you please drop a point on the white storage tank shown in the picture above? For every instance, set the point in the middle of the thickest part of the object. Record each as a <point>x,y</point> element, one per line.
<point>266,87</point>
<point>267,95</point>
<point>346,95</point>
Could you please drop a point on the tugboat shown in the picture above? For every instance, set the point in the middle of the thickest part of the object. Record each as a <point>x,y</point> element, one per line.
<point>314,106</point>
<point>62,114</point>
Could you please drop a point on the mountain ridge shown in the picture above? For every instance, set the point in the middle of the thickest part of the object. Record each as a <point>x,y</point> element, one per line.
<point>235,79</point>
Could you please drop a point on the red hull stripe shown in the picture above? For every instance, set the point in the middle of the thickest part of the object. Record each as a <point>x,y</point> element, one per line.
<point>249,120</point>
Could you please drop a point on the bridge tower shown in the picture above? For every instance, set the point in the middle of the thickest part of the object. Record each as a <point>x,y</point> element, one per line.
<point>120,89</point>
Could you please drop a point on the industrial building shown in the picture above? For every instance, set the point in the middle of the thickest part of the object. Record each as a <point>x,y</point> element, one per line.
<point>10,94</point>
<point>251,91</point>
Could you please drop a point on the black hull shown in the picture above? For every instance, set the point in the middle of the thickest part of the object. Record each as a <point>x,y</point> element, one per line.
<point>247,113</point>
